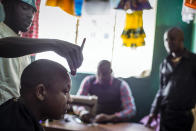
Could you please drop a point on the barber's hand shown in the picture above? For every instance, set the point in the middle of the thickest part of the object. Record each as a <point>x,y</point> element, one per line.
<point>72,53</point>
<point>150,119</point>
<point>101,118</point>
<point>85,116</point>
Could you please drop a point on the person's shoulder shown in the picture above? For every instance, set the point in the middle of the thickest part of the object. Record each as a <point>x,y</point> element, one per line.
<point>8,110</point>
<point>119,79</point>
<point>17,117</point>
<point>8,105</point>
<point>6,31</point>
<point>192,55</point>
<point>123,82</point>
<point>90,78</point>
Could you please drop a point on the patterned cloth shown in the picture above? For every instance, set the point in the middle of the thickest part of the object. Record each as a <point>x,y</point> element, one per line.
<point>65,5</point>
<point>188,13</point>
<point>72,7</point>
<point>127,99</point>
<point>133,34</point>
<point>191,3</point>
<point>34,29</point>
<point>135,5</point>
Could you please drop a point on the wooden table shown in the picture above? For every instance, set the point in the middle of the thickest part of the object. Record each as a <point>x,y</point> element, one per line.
<point>62,125</point>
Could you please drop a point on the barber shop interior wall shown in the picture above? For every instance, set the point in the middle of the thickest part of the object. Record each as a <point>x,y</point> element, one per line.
<point>193,47</point>
<point>144,89</point>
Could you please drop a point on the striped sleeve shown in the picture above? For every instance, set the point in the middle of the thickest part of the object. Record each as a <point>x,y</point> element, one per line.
<point>84,87</point>
<point>128,104</point>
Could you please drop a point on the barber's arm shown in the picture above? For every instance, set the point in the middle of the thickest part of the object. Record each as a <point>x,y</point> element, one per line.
<point>11,47</point>
<point>128,106</point>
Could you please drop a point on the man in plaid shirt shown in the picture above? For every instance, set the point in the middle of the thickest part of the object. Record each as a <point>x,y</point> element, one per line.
<point>115,101</point>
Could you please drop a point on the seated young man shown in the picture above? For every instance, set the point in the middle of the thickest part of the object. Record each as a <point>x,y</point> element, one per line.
<point>44,90</point>
<point>115,100</point>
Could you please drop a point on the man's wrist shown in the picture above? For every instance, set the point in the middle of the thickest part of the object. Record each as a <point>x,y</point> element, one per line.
<point>83,112</point>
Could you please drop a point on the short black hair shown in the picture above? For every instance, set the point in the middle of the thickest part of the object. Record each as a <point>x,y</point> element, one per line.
<point>104,62</point>
<point>177,31</point>
<point>41,72</point>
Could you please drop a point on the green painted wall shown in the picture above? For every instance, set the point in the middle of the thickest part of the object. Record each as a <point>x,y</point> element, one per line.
<point>193,47</point>
<point>144,90</point>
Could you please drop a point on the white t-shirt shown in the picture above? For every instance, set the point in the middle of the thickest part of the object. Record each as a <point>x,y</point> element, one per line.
<point>10,69</point>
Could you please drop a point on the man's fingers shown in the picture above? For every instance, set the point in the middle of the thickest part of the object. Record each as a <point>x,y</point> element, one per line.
<point>74,57</point>
<point>70,63</point>
<point>79,57</point>
<point>83,42</point>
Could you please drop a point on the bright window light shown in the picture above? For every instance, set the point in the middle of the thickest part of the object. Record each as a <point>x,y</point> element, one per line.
<point>98,29</point>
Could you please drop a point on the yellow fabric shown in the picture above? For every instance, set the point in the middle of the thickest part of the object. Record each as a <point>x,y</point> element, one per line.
<point>194,123</point>
<point>66,5</point>
<point>134,20</point>
<point>133,34</point>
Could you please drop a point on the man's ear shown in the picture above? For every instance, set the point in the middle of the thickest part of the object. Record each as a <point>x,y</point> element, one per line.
<point>40,92</point>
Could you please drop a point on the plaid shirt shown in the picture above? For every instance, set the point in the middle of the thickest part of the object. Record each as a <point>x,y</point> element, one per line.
<point>33,31</point>
<point>127,99</point>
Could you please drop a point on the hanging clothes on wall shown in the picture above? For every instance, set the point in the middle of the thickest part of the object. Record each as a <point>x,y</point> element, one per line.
<point>133,34</point>
<point>188,12</point>
<point>191,3</point>
<point>72,7</point>
<point>135,5</point>
<point>65,5</point>
<point>78,7</point>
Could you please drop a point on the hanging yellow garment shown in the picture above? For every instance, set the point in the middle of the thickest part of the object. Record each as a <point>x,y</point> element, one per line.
<point>133,34</point>
<point>66,5</point>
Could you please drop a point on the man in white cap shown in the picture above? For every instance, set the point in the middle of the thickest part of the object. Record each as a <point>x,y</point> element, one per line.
<point>14,50</point>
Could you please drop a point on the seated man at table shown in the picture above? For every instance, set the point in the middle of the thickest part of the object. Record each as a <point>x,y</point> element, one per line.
<point>44,90</point>
<point>115,101</point>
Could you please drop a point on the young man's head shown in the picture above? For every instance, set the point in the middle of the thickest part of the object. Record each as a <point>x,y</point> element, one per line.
<point>45,87</point>
<point>174,40</point>
<point>19,14</point>
<point>104,72</point>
